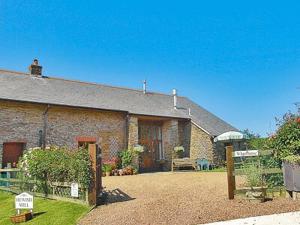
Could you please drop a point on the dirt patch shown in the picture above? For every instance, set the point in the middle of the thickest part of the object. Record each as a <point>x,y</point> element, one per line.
<point>176,198</point>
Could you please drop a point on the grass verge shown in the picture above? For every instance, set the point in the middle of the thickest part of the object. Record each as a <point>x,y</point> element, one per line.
<point>47,212</point>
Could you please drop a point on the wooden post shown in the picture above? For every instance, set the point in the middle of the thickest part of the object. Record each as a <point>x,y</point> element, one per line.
<point>230,170</point>
<point>96,184</point>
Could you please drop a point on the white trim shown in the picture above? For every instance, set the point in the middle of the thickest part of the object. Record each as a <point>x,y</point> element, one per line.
<point>200,127</point>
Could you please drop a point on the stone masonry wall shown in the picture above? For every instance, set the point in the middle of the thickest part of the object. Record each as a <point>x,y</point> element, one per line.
<point>133,137</point>
<point>170,137</point>
<point>20,122</point>
<point>23,121</point>
<point>201,145</point>
<point>66,124</point>
<point>133,131</point>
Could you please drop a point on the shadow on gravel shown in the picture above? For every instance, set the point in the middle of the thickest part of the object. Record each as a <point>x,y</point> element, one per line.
<point>114,196</point>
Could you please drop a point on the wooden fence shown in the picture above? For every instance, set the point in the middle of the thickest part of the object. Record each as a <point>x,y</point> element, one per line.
<point>11,181</point>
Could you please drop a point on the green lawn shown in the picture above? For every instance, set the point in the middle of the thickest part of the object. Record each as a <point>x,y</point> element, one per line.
<point>49,212</point>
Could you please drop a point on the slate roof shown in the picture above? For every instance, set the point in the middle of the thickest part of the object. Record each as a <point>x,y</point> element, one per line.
<point>47,90</point>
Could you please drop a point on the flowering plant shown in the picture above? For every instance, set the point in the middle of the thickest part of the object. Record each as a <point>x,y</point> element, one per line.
<point>138,148</point>
<point>178,149</point>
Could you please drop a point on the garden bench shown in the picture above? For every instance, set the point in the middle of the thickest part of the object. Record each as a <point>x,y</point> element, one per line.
<point>183,163</point>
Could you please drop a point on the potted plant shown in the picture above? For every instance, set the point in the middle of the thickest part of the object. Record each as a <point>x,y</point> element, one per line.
<point>107,168</point>
<point>178,151</point>
<point>291,172</point>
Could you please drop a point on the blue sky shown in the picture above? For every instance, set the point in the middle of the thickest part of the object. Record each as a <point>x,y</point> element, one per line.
<point>238,59</point>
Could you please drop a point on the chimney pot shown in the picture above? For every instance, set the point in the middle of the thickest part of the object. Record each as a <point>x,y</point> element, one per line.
<point>35,69</point>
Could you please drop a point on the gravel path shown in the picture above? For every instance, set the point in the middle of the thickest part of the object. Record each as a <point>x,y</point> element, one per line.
<point>176,198</point>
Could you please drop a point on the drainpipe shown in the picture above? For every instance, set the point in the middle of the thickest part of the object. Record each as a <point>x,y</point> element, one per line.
<point>45,120</point>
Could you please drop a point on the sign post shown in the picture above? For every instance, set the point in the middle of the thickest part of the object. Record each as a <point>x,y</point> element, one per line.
<point>230,169</point>
<point>96,185</point>
<point>24,201</point>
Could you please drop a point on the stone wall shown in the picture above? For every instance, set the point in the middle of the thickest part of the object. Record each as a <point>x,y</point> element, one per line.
<point>201,145</point>
<point>133,131</point>
<point>20,122</point>
<point>23,121</point>
<point>170,137</point>
<point>66,124</point>
<point>133,137</point>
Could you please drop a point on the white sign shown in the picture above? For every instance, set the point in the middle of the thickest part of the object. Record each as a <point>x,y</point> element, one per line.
<point>24,201</point>
<point>247,153</point>
<point>74,190</point>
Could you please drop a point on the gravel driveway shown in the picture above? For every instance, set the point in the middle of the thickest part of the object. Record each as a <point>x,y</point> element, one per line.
<point>176,198</point>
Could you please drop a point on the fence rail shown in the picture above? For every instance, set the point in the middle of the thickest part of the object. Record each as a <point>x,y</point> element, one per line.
<point>241,172</point>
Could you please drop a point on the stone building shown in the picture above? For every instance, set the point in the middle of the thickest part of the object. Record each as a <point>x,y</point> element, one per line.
<point>37,110</point>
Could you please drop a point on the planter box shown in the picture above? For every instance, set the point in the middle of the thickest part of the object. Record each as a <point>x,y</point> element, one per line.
<point>21,218</point>
<point>291,175</point>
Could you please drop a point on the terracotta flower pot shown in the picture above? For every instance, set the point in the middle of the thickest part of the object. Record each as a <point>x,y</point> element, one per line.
<point>107,174</point>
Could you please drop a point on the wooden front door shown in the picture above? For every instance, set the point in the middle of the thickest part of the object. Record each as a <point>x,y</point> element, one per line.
<point>12,153</point>
<point>150,137</point>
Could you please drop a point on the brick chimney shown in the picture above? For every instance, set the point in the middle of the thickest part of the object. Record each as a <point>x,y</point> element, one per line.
<point>35,69</point>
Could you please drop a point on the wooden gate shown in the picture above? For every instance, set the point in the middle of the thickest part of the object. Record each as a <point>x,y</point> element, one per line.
<point>237,160</point>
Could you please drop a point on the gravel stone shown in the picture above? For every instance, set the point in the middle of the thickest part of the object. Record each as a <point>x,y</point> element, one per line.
<point>179,198</point>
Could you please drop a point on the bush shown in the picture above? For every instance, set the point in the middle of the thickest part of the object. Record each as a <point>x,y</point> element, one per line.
<point>126,157</point>
<point>253,175</point>
<point>286,141</point>
<point>294,159</point>
<point>56,165</point>
<point>107,168</point>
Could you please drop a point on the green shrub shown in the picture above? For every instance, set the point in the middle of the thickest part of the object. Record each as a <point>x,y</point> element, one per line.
<point>286,141</point>
<point>253,174</point>
<point>126,157</point>
<point>295,159</point>
<point>56,165</point>
<point>106,168</point>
